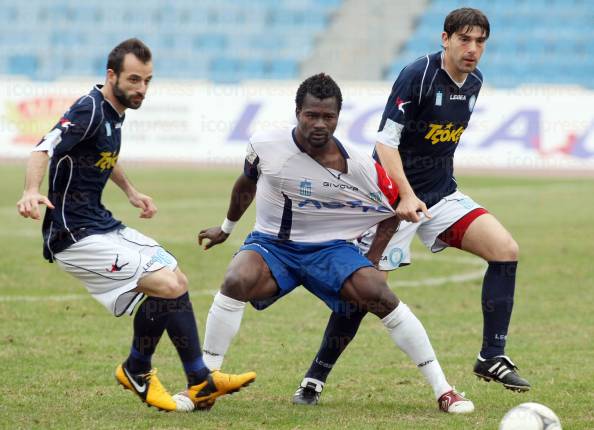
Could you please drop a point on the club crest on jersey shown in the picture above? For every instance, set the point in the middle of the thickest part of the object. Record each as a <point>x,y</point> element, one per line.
<point>305,188</point>
<point>438,98</point>
<point>107,161</point>
<point>444,133</point>
<point>376,197</point>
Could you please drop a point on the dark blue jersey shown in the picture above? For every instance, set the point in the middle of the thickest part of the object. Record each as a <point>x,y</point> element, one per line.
<point>84,147</point>
<point>425,116</point>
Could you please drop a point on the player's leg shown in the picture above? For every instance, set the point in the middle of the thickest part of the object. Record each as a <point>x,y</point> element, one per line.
<point>487,238</point>
<point>152,316</point>
<point>111,270</point>
<point>168,307</point>
<point>182,330</point>
<point>463,224</point>
<point>368,290</point>
<point>248,277</point>
<point>341,329</point>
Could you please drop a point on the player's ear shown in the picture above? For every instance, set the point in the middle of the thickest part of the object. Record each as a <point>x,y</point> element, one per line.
<point>111,76</point>
<point>444,39</point>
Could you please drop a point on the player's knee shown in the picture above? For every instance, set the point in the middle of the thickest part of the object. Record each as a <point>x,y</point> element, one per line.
<point>182,281</point>
<point>237,286</point>
<point>373,294</point>
<point>509,250</point>
<point>384,301</point>
<point>171,287</point>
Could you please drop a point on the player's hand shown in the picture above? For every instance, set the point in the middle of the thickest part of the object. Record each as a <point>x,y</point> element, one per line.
<point>28,205</point>
<point>409,207</point>
<point>214,235</point>
<point>145,203</point>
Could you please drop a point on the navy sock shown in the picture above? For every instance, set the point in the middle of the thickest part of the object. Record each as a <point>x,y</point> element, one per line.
<point>149,324</point>
<point>497,302</point>
<point>339,332</point>
<point>183,332</point>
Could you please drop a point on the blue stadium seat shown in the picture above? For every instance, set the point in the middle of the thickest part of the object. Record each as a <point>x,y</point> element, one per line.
<point>23,65</point>
<point>210,42</point>
<point>283,69</point>
<point>87,15</point>
<point>248,39</point>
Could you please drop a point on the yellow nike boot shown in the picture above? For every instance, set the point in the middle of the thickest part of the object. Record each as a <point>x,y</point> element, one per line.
<point>217,384</point>
<point>146,386</point>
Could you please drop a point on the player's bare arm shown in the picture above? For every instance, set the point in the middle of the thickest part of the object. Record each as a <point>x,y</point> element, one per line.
<point>136,199</point>
<point>409,204</point>
<point>28,205</point>
<point>242,196</point>
<point>385,230</point>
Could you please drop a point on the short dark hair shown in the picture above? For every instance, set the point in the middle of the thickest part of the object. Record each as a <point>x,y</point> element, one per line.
<point>115,60</point>
<point>321,86</point>
<point>466,17</point>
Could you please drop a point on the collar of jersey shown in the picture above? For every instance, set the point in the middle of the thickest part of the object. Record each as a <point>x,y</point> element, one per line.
<point>458,84</point>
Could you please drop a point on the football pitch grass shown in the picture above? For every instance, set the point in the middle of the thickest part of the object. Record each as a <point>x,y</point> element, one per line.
<point>59,348</point>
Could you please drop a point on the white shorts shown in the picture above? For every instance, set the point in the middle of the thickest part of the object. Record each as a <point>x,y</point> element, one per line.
<point>111,264</point>
<point>444,214</point>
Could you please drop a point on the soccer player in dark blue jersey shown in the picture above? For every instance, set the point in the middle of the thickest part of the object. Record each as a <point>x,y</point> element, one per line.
<point>118,265</point>
<point>428,110</point>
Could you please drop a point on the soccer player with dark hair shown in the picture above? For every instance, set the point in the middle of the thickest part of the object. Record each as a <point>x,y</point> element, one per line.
<point>118,265</point>
<point>429,108</point>
<point>313,196</point>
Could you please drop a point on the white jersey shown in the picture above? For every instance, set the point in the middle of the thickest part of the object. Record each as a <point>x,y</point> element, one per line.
<point>298,199</point>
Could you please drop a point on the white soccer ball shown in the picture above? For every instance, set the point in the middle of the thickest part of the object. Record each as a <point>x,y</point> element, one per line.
<point>183,402</point>
<point>530,416</point>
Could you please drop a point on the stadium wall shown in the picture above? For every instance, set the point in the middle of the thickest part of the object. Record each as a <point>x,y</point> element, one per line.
<point>550,128</point>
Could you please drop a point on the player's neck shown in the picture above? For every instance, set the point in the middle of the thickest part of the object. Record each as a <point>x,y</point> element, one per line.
<point>111,98</point>
<point>328,155</point>
<point>458,77</point>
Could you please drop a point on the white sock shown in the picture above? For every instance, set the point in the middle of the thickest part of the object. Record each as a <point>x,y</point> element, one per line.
<point>410,336</point>
<point>222,324</point>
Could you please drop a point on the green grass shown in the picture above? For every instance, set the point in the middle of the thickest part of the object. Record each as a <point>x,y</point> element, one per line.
<point>58,356</point>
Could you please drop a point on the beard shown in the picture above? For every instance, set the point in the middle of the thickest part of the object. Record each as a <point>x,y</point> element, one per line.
<point>123,98</point>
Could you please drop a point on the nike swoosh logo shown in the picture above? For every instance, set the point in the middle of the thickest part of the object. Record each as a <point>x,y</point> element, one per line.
<point>141,389</point>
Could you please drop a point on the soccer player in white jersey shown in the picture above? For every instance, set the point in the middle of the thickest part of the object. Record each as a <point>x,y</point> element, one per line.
<point>313,196</point>
<point>118,265</point>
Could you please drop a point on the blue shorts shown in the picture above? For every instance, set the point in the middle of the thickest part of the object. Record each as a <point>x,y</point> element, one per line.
<point>322,268</point>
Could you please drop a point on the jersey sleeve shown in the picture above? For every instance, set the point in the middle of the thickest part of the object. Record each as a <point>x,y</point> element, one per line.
<point>399,108</point>
<point>77,124</point>
<point>386,185</point>
<point>251,167</point>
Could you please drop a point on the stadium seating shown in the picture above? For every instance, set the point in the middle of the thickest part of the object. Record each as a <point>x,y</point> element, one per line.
<point>532,41</point>
<point>219,40</point>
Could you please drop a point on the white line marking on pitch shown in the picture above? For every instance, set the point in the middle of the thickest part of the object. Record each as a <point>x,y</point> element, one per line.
<point>441,280</point>
<point>427,282</point>
<point>71,297</point>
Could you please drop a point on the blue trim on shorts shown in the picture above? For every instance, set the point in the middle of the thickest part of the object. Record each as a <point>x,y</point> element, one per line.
<point>322,268</point>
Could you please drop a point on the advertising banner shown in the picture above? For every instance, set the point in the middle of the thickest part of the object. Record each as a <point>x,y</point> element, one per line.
<point>525,128</point>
